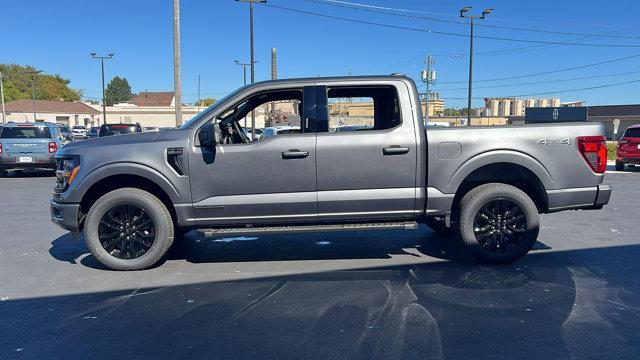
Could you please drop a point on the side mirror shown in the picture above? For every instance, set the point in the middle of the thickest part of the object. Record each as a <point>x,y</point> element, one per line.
<point>207,136</point>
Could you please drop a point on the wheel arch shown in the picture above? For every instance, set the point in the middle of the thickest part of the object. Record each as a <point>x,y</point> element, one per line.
<point>122,175</point>
<point>512,173</point>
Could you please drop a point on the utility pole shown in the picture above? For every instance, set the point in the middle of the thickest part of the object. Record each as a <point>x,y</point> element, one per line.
<point>428,76</point>
<point>177,83</point>
<point>252,62</point>
<point>104,104</point>
<point>4,116</point>
<point>482,15</point>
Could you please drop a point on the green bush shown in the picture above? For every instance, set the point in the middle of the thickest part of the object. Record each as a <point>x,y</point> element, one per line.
<point>612,146</point>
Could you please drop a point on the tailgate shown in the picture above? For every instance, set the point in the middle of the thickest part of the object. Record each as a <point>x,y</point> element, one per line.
<point>23,146</point>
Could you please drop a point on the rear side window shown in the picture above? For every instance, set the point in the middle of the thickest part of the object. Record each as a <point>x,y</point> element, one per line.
<point>25,132</point>
<point>110,130</point>
<point>632,133</point>
<point>362,108</point>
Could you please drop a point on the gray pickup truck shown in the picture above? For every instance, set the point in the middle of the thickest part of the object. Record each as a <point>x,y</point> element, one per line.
<point>132,195</point>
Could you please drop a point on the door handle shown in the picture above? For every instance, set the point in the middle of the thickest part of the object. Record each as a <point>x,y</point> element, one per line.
<point>294,154</point>
<point>395,150</point>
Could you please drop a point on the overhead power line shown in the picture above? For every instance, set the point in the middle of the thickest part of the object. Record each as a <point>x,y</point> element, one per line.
<point>556,91</point>
<point>543,82</point>
<point>398,27</point>
<point>547,72</point>
<point>387,11</point>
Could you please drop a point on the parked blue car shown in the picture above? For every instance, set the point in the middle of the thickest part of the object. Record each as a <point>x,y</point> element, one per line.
<point>28,145</point>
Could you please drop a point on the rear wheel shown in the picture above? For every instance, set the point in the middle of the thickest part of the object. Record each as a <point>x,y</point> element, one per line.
<point>619,165</point>
<point>128,229</point>
<point>3,173</point>
<point>498,223</point>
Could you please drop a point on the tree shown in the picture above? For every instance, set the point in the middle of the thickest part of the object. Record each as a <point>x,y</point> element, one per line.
<point>17,84</point>
<point>205,102</point>
<point>117,91</point>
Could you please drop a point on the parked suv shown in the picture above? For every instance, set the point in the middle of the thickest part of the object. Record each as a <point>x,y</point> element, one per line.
<point>28,145</point>
<point>118,129</point>
<point>629,148</point>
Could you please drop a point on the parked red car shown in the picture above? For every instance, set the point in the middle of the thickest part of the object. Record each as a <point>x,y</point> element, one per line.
<point>629,148</point>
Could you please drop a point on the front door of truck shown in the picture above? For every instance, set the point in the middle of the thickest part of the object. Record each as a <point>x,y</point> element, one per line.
<point>366,154</point>
<point>271,179</point>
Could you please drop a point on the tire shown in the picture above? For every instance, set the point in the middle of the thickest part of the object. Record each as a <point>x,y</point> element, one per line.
<point>437,225</point>
<point>3,173</point>
<point>511,234</point>
<point>619,165</point>
<point>138,208</point>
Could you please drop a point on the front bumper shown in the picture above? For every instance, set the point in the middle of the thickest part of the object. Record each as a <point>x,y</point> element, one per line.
<point>579,198</point>
<point>65,215</point>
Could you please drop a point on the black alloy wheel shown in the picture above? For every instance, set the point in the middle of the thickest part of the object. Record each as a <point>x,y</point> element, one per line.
<point>500,225</point>
<point>126,231</point>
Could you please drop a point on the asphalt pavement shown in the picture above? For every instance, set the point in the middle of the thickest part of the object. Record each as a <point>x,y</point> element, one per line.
<point>359,295</point>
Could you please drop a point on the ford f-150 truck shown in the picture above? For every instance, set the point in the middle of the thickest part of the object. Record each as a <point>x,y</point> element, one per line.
<point>132,195</point>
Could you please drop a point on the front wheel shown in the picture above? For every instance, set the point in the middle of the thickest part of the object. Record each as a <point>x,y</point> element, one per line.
<point>128,229</point>
<point>619,165</point>
<point>498,223</point>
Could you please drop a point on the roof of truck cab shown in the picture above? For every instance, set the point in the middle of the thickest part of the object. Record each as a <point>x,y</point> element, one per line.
<point>334,78</point>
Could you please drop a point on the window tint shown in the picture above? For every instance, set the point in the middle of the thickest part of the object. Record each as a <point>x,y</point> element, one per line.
<point>632,133</point>
<point>26,132</point>
<point>273,110</point>
<point>119,129</point>
<point>362,108</point>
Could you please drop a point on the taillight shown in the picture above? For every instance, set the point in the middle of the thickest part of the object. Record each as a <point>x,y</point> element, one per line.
<point>53,147</point>
<point>594,151</point>
<point>0,148</point>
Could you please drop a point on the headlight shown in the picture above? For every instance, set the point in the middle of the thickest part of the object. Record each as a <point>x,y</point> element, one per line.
<point>66,172</point>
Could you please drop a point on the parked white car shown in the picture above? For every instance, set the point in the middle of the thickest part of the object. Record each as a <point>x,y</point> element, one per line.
<point>80,131</point>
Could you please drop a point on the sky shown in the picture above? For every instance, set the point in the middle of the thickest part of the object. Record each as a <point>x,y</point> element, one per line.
<point>335,37</point>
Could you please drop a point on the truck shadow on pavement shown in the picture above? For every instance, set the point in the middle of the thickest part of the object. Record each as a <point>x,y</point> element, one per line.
<point>285,247</point>
<point>580,303</point>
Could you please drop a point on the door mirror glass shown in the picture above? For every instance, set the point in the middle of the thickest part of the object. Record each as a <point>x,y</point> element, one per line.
<point>206,136</point>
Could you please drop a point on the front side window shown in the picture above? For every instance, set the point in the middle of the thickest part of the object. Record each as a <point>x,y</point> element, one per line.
<point>276,112</point>
<point>362,108</point>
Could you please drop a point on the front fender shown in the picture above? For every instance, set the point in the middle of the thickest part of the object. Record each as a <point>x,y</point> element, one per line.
<point>77,190</point>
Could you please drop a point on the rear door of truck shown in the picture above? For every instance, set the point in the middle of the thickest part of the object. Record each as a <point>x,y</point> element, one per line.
<point>366,153</point>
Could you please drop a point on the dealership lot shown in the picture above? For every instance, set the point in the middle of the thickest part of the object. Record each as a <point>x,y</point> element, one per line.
<point>347,295</point>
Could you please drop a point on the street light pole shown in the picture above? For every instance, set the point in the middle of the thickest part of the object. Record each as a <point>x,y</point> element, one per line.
<point>482,15</point>
<point>244,71</point>
<point>104,105</point>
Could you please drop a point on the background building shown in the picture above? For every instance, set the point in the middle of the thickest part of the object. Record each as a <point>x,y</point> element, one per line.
<point>68,113</point>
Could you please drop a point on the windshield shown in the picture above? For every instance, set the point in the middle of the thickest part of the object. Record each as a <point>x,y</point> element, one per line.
<point>27,132</point>
<point>632,133</point>
<point>204,113</point>
<point>111,130</point>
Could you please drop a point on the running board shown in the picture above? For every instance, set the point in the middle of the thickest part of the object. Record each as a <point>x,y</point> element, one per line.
<point>411,225</point>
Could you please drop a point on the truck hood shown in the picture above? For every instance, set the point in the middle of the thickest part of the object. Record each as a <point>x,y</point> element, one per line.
<point>138,140</point>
